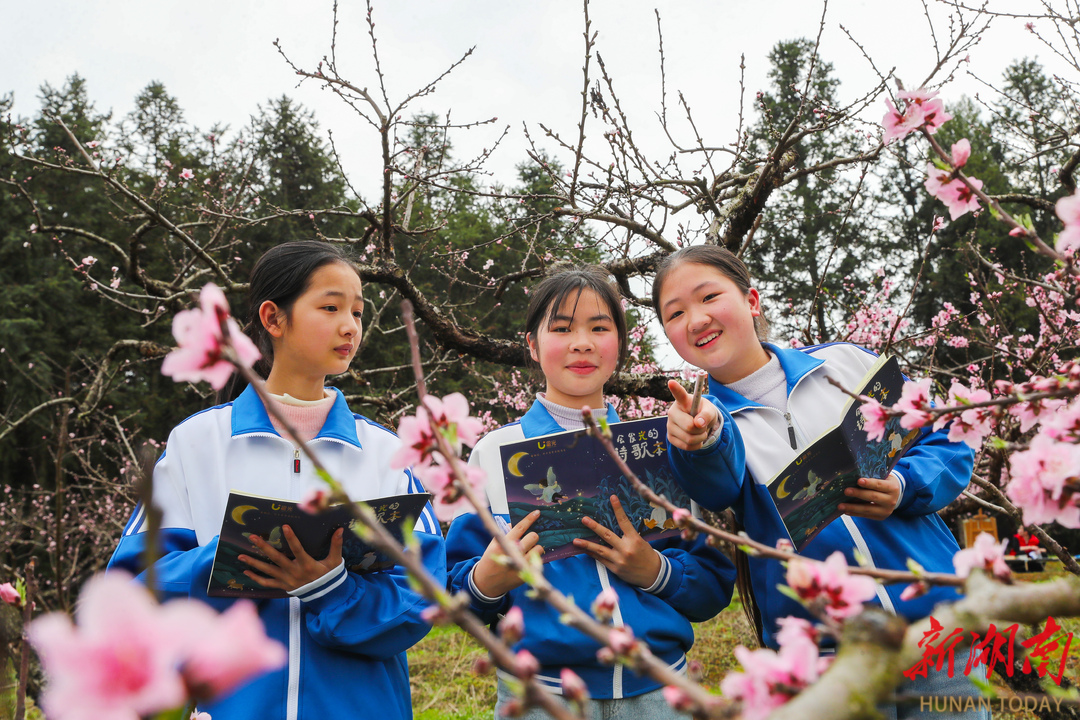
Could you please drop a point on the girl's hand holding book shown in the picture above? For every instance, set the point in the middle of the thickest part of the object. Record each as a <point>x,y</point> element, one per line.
<point>630,557</point>
<point>494,578</point>
<point>286,574</point>
<point>686,431</point>
<point>879,497</point>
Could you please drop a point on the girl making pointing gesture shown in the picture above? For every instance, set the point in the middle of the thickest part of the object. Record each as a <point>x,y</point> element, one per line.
<point>765,405</point>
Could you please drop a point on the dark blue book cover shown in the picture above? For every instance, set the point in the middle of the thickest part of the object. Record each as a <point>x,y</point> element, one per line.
<point>569,475</point>
<point>808,491</point>
<point>246,515</point>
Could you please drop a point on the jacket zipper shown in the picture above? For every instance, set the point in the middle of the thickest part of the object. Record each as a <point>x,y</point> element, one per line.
<point>790,432</point>
<point>292,697</point>
<point>617,621</point>
<point>292,692</point>
<point>787,414</point>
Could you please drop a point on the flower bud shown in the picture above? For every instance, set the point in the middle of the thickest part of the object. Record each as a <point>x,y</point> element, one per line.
<point>622,641</point>
<point>527,664</point>
<point>573,686</point>
<point>914,590</point>
<point>604,605</point>
<point>315,501</point>
<point>678,698</point>
<point>482,665</point>
<point>434,615</point>
<point>512,626</point>
<point>10,595</point>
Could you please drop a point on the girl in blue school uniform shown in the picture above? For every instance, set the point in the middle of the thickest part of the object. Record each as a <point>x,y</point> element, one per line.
<point>576,333</point>
<point>346,633</point>
<point>766,404</point>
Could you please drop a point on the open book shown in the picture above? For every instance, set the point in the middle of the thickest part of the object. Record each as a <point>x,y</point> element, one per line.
<point>808,491</point>
<point>247,515</point>
<point>569,475</point>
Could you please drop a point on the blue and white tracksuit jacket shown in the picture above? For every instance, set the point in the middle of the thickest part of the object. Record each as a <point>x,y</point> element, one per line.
<point>695,583</point>
<point>346,633</point>
<point>754,445</point>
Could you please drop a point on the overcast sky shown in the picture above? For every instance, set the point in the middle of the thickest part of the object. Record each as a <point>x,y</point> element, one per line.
<point>217,57</point>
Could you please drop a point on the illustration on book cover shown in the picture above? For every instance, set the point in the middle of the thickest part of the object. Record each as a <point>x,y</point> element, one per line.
<point>808,491</point>
<point>568,476</point>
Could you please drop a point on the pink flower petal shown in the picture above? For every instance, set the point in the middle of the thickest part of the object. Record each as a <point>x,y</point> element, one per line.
<point>10,595</point>
<point>961,151</point>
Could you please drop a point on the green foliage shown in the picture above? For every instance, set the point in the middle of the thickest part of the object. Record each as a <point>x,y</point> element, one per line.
<point>155,132</point>
<point>293,168</point>
<point>49,324</point>
<point>948,258</point>
<point>812,253</point>
<point>1027,121</point>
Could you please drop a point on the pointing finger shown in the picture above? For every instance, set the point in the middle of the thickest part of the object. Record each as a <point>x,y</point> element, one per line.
<point>699,388</point>
<point>682,397</point>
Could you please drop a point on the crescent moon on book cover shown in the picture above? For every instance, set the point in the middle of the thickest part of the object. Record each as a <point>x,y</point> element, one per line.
<point>781,491</point>
<point>512,463</point>
<point>238,513</point>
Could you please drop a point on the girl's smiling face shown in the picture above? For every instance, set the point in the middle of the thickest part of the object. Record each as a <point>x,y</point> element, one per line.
<point>578,350</point>
<point>710,321</point>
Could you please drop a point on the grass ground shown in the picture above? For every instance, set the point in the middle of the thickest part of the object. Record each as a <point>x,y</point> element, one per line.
<point>444,687</point>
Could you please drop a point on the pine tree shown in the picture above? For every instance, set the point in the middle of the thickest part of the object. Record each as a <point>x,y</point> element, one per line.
<point>816,244</point>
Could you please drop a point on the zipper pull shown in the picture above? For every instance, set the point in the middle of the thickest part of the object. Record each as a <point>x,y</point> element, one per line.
<point>790,434</point>
<point>296,460</point>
